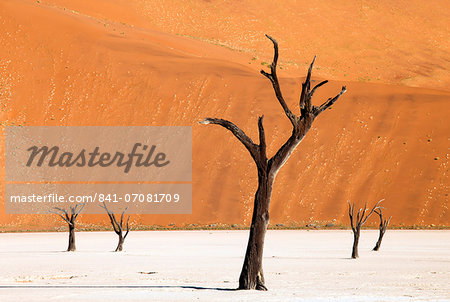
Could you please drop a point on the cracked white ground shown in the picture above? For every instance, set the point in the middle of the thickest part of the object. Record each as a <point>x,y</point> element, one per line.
<point>299,265</point>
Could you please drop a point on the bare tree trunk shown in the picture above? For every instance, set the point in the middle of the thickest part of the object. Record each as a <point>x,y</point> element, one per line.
<point>71,247</point>
<point>120,244</point>
<point>252,276</point>
<point>377,245</point>
<point>383,226</point>
<point>355,244</point>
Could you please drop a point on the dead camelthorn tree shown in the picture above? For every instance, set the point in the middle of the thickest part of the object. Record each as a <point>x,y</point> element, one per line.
<point>118,227</point>
<point>252,272</point>
<point>70,219</point>
<point>383,226</point>
<point>357,222</point>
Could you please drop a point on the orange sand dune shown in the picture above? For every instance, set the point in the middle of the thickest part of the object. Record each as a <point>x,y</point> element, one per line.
<point>402,42</point>
<point>114,63</point>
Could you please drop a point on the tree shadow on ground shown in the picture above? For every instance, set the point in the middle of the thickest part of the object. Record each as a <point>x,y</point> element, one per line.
<point>117,286</point>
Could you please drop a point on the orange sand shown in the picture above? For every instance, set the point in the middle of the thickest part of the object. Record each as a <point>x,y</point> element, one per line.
<point>138,62</point>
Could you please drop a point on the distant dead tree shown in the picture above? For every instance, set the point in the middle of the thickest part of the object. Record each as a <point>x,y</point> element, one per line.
<point>357,222</point>
<point>118,227</point>
<point>70,219</point>
<point>251,276</point>
<point>383,226</point>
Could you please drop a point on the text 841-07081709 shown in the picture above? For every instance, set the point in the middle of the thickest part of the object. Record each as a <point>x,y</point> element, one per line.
<point>140,197</point>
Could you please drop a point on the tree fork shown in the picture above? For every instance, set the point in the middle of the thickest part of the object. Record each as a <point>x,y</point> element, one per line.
<point>118,226</point>
<point>358,221</point>
<point>70,219</point>
<point>252,276</point>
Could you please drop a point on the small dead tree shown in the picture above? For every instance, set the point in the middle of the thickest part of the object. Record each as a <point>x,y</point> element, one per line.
<point>118,226</point>
<point>357,222</point>
<point>252,272</point>
<point>70,219</point>
<point>383,226</point>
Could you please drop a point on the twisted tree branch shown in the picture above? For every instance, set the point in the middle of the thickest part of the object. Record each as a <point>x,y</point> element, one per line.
<point>272,76</point>
<point>240,135</point>
<point>329,102</point>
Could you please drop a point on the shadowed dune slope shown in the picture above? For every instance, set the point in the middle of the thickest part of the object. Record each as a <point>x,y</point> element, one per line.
<point>75,67</point>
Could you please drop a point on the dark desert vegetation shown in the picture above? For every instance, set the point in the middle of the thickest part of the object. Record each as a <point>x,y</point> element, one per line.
<point>118,226</point>
<point>70,217</point>
<point>358,221</point>
<point>252,276</point>
<point>383,226</point>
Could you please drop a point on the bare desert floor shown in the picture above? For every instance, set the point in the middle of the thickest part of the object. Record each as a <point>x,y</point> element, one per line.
<point>299,265</point>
